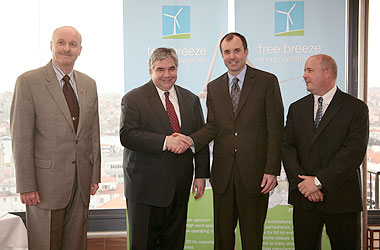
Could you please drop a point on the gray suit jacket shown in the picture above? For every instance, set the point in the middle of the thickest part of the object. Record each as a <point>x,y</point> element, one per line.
<point>46,149</point>
<point>253,135</point>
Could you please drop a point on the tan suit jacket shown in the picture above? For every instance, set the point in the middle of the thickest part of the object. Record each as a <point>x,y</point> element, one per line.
<point>46,149</point>
<point>253,136</point>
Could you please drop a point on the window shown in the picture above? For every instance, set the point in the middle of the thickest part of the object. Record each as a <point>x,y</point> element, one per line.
<point>373,152</point>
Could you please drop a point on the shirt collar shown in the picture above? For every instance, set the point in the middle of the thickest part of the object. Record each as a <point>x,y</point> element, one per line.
<point>59,73</point>
<point>240,76</point>
<point>171,91</point>
<point>326,97</point>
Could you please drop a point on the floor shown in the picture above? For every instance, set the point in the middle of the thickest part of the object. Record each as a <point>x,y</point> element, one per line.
<point>106,242</point>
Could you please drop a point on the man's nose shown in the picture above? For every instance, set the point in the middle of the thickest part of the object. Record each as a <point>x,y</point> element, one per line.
<point>66,47</point>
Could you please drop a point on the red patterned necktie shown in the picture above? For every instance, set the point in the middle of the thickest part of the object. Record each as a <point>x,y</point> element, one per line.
<point>71,100</point>
<point>171,113</point>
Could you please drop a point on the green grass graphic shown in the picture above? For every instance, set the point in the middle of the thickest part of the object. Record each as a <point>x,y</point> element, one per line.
<point>178,36</point>
<point>291,33</point>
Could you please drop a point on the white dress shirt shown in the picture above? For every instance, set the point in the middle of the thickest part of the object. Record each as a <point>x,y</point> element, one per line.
<point>327,98</point>
<point>174,100</point>
<point>326,101</point>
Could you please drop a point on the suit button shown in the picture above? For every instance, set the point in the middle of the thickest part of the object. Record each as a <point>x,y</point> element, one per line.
<point>236,133</point>
<point>76,141</point>
<point>73,162</point>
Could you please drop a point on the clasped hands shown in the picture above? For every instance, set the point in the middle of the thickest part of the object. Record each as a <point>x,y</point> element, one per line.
<point>309,189</point>
<point>178,143</point>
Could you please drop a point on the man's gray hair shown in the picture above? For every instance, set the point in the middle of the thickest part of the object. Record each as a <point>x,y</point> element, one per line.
<point>162,53</point>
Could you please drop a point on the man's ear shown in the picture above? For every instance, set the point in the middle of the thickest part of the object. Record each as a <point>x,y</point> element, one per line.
<point>327,72</point>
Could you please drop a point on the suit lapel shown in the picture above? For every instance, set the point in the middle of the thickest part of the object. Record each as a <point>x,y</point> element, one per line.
<point>184,109</point>
<point>57,93</point>
<point>156,104</point>
<point>249,82</point>
<point>309,119</point>
<point>80,85</point>
<point>224,92</point>
<point>335,105</point>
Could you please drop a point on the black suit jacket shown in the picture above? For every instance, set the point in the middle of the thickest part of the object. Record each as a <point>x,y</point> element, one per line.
<point>333,152</point>
<point>253,135</point>
<point>153,176</point>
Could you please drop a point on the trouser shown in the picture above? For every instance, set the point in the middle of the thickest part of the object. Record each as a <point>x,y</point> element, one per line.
<point>235,204</point>
<point>156,228</point>
<point>60,229</point>
<point>343,229</point>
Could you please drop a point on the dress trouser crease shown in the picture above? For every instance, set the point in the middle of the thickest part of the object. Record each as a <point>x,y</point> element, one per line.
<point>59,229</point>
<point>233,205</point>
<point>343,230</point>
<point>156,228</point>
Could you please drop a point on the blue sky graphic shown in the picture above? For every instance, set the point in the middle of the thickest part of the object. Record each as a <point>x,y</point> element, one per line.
<point>183,19</point>
<point>297,16</point>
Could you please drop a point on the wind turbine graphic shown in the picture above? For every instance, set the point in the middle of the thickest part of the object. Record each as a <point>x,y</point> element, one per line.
<point>175,21</point>
<point>287,16</point>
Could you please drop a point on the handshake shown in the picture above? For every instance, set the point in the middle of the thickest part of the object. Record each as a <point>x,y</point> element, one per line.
<point>178,143</point>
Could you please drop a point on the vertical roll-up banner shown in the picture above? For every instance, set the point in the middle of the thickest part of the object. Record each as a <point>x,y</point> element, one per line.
<point>193,28</point>
<point>281,36</point>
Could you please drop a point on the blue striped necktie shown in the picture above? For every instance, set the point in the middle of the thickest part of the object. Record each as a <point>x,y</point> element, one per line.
<point>318,115</point>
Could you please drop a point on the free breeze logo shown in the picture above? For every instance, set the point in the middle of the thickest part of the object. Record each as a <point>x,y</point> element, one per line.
<point>289,18</point>
<point>176,22</point>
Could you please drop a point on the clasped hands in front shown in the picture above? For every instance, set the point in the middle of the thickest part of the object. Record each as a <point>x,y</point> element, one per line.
<point>309,189</point>
<point>178,143</point>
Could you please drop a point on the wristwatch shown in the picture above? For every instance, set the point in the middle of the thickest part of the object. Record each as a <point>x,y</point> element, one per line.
<point>317,182</point>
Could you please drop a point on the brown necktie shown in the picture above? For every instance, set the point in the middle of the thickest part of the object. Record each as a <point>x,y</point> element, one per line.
<point>171,113</point>
<point>235,94</point>
<point>72,101</point>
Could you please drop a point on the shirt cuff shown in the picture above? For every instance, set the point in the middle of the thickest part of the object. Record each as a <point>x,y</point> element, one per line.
<point>192,147</point>
<point>164,146</point>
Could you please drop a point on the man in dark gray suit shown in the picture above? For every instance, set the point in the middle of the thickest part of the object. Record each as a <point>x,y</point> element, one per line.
<point>245,120</point>
<point>158,181</point>
<point>325,140</point>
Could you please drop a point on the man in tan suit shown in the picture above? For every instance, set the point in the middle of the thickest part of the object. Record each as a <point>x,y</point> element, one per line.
<point>245,119</point>
<point>55,142</point>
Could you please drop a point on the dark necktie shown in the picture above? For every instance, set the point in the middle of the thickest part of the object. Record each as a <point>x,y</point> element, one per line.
<point>171,113</point>
<point>318,115</point>
<point>71,100</point>
<point>235,94</point>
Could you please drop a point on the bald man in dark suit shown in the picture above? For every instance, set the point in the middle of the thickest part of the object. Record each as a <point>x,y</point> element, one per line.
<point>325,140</point>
